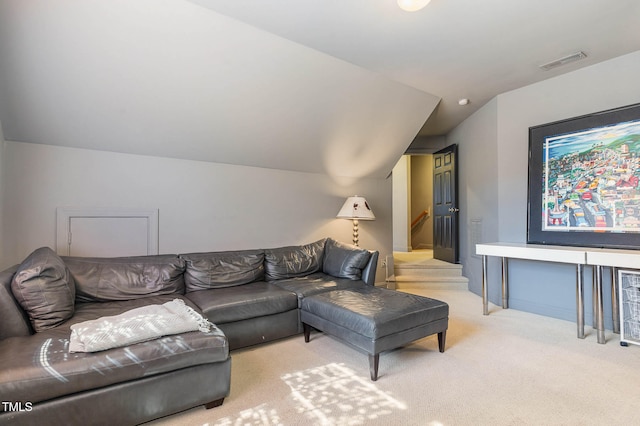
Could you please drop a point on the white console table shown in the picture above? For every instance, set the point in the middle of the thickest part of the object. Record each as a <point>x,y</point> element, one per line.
<point>544,253</point>
<point>579,256</point>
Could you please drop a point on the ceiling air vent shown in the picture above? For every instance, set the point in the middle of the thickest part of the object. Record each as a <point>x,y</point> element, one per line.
<point>562,61</point>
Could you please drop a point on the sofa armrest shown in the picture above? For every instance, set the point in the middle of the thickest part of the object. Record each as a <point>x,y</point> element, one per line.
<point>13,319</point>
<point>369,271</point>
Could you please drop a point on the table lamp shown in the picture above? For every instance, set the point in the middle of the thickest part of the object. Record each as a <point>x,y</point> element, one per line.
<point>356,208</point>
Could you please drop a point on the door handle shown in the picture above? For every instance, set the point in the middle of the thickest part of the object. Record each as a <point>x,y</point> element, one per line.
<point>453,210</point>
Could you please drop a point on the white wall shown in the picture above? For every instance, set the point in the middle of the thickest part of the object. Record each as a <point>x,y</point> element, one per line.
<point>493,181</point>
<point>203,206</point>
<point>174,79</point>
<point>401,177</point>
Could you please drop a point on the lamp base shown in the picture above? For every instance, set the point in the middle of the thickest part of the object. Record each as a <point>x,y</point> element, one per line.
<point>355,232</point>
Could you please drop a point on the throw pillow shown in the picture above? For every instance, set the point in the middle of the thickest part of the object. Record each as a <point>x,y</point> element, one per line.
<point>343,260</point>
<point>45,289</point>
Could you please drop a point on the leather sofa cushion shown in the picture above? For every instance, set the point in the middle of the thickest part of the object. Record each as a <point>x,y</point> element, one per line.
<point>44,288</point>
<point>316,283</point>
<point>238,303</point>
<point>293,261</point>
<point>39,367</point>
<point>124,278</point>
<point>223,269</point>
<point>344,261</point>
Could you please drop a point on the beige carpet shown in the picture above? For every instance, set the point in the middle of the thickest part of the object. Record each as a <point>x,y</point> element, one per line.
<point>508,368</point>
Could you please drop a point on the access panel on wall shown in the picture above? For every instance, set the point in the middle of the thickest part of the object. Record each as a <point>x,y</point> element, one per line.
<point>106,232</point>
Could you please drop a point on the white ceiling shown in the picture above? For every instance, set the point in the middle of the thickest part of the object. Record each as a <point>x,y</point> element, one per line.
<point>453,49</point>
<point>340,87</point>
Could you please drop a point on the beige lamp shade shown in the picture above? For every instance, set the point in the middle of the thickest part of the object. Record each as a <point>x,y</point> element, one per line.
<point>356,208</point>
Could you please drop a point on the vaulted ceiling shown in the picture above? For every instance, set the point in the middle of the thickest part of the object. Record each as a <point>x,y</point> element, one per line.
<point>340,87</point>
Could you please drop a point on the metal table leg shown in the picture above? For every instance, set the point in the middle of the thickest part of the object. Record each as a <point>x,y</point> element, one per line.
<point>485,289</point>
<point>505,283</point>
<point>580,299</point>
<point>594,299</point>
<point>615,308</point>
<point>599,320</point>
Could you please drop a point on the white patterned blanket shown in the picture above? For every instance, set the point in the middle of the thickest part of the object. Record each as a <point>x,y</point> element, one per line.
<point>137,325</point>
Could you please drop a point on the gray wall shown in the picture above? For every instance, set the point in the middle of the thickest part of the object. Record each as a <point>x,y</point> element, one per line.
<point>203,206</point>
<point>493,177</point>
<point>477,186</point>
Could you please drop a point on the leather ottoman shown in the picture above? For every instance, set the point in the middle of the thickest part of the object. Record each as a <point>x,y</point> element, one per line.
<point>375,319</point>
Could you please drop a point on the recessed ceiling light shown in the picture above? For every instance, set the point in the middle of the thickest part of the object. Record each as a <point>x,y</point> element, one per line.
<point>463,101</point>
<point>564,60</point>
<point>412,5</point>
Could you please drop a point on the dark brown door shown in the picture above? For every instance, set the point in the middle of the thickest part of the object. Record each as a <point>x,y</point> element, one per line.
<point>445,205</point>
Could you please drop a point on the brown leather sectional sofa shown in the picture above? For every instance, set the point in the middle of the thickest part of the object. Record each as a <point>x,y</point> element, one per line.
<point>252,296</point>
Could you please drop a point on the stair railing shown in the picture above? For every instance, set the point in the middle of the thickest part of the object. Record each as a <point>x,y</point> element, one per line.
<point>421,217</point>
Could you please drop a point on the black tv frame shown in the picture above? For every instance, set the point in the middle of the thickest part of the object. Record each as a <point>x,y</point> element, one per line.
<point>540,139</point>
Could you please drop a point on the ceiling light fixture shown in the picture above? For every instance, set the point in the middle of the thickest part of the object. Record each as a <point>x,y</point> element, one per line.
<point>565,60</point>
<point>412,5</point>
<point>463,102</point>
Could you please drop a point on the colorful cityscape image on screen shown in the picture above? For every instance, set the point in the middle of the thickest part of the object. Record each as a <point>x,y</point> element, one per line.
<point>590,180</point>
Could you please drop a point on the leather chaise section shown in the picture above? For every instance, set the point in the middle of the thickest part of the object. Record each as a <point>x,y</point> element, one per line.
<point>54,372</point>
<point>132,402</point>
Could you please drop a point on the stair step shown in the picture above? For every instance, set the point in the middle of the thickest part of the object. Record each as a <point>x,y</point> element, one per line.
<point>422,278</point>
<point>425,285</point>
<point>428,272</point>
<point>421,270</point>
<point>442,265</point>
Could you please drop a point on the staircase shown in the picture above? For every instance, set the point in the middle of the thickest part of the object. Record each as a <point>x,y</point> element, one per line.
<point>418,269</point>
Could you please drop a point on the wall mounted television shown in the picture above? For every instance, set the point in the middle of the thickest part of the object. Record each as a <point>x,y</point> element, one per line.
<point>584,175</point>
